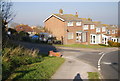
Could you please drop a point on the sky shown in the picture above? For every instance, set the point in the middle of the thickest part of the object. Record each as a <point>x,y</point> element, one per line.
<point>34,13</point>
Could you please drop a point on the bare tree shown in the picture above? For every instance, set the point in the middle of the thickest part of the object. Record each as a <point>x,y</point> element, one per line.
<point>7,14</point>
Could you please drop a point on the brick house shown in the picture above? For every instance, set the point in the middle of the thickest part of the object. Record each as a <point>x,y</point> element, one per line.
<point>71,29</point>
<point>24,28</point>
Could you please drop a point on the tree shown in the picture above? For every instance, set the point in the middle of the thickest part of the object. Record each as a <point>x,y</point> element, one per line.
<point>6,15</point>
<point>6,12</point>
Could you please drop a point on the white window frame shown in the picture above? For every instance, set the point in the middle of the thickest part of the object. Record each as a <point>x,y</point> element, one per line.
<point>113,31</point>
<point>85,27</point>
<point>97,30</point>
<point>70,24</point>
<point>78,23</point>
<point>92,26</point>
<point>103,29</point>
<point>71,35</point>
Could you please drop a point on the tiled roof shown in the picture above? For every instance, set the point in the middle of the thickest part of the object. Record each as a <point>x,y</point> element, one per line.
<point>86,21</point>
<point>71,17</point>
<point>25,28</point>
<point>68,17</point>
<point>110,27</point>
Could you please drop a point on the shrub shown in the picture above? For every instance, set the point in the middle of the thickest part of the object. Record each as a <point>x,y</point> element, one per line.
<point>110,43</point>
<point>102,45</point>
<point>113,44</point>
<point>15,57</point>
<point>6,69</point>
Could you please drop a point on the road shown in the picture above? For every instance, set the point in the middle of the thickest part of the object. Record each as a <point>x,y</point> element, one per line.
<point>109,63</point>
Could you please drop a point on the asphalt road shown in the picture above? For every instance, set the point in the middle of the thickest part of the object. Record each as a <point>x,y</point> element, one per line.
<point>109,63</point>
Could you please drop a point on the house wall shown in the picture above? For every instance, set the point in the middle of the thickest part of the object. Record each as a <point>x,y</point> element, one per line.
<point>56,27</point>
<point>73,29</point>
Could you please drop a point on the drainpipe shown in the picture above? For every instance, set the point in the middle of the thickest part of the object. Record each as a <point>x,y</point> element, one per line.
<point>65,35</point>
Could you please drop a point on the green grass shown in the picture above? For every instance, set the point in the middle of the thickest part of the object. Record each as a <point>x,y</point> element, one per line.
<point>93,76</point>
<point>82,46</point>
<point>40,70</point>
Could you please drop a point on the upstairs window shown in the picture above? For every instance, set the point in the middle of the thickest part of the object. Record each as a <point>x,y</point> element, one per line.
<point>85,27</point>
<point>92,26</point>
<point>108,31</point>
<point>97,29</point>
<point>103,29</point>
<point>113,31</point>
<point>78,24</point>
<point>70,24</point>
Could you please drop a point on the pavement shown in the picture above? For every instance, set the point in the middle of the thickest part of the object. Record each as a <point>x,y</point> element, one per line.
<point>71,67</point>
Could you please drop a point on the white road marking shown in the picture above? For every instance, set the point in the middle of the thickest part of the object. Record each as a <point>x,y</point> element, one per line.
<point>108,63</point>
<point>100,61</point>
<point>100,53</point>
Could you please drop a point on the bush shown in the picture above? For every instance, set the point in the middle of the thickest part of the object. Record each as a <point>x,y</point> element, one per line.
<point>6,69</point>
<point>113,44</point>
<point>102,45</point>
<point>16,57</point>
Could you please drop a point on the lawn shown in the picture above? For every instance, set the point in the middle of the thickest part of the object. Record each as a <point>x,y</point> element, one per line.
<point>82,46</point>
<point>40,70</point>
<point>93,76</point>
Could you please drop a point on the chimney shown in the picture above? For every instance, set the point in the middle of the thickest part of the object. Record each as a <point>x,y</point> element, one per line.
<point>89,19</point>
<point>61,12</point>
<point>76,14</point>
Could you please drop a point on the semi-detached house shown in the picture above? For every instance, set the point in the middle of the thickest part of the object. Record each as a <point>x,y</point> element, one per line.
<point>70,29</point>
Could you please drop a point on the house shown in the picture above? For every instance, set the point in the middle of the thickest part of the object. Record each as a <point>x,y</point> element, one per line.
<point>24,28</point>
<point>36,30</point>
<point>70,29</point>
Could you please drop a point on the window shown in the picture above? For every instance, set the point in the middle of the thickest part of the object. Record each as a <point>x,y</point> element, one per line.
<point>78,24</point>
<point>70,35</point>
<point>103,29</point>
<point>97,29</point>
<point>113,31</point>
<point>84,37</point>
<point>70,23</point>
<point>85,27</point>
<point>93,39</point>
<point>108,31</point>
<point>92,26</point>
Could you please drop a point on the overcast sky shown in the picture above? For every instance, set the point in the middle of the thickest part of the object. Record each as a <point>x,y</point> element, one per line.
<point>33,13</point>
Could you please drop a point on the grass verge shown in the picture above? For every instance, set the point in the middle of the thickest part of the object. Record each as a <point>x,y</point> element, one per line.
<point>93,76</point>
<point>82,46</point>
<point>41,70</point>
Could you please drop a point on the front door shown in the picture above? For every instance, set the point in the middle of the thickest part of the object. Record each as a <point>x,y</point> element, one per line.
<point>78,36</point>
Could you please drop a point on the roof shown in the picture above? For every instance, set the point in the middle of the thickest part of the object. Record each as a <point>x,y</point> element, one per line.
<point>86,21</point>
<point>68,17</point>
<point>23,27</point>
<point>110,27</point>
<point>98,24</point>
<point>64,17</point>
